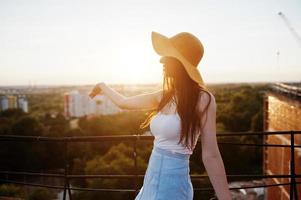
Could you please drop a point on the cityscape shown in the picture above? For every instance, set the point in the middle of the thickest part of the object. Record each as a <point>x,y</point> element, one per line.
<point>85,88</point>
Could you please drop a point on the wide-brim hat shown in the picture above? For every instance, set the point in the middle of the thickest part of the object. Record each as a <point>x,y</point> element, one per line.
<point>183,46</point>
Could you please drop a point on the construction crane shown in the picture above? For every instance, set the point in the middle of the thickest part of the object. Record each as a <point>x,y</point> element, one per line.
<point>291,28</point>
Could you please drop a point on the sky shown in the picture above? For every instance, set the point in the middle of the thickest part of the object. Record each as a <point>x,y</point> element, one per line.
<point>72,42</point>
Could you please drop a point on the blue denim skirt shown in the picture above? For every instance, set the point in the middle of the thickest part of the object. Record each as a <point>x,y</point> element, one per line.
<point>167,177</point>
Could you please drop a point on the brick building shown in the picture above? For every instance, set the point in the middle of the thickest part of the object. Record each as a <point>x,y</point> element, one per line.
<point>282,112</point>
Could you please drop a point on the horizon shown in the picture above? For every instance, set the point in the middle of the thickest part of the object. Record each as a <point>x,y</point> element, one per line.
<point>145,84</point>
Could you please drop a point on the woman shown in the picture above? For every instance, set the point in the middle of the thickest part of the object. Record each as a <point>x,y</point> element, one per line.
<point>183,110</point>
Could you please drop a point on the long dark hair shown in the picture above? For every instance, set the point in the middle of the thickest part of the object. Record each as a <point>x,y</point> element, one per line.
<point>177,83</point>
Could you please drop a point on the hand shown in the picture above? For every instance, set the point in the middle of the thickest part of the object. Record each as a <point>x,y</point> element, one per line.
<point>96,90</point>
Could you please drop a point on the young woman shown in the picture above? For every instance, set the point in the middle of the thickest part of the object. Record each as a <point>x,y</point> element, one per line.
<point>183,110</point>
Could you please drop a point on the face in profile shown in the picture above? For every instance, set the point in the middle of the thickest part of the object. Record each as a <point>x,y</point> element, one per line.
<point>170,66</point>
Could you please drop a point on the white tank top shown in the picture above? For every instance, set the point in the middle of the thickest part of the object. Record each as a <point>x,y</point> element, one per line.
<point>166,130</point>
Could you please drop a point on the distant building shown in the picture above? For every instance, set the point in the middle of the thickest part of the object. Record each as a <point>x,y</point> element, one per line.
<point>13,101</point>
<point>77,105</point>
<point>22,103</point>
<point>282,112</point>
<point>3,102</point>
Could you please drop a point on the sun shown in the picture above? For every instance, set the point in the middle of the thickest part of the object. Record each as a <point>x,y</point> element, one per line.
<point>137,66</point>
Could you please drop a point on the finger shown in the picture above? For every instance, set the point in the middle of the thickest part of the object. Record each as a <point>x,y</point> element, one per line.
<point>96,90</point>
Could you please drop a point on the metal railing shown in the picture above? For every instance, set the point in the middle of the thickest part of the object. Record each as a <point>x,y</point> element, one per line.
<point>66,176</point>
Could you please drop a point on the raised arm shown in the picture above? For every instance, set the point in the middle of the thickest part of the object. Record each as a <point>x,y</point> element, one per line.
<point>146,101</point>
<point>211,156</point>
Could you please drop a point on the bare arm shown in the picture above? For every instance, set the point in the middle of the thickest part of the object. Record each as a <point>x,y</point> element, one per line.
<point>211,156</point>
<point>146,101</point>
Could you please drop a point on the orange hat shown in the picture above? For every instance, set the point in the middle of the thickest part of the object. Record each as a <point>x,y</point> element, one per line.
<point>185,47</point>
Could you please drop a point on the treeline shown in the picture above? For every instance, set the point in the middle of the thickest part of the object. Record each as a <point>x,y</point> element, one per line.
<point>239,108</point>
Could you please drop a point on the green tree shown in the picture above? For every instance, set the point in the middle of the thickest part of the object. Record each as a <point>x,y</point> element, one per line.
<point>118,160</point>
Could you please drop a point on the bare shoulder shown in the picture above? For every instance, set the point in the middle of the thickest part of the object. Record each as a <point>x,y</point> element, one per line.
<point>204,99</point>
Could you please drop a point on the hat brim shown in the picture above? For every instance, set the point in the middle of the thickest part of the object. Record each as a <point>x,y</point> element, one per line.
<point>163,46</point>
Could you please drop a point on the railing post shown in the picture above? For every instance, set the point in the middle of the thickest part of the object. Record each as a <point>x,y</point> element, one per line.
<point>65,170</point>
<point>135,163</point>
<point>67,184</point>
<point>293,185</point>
